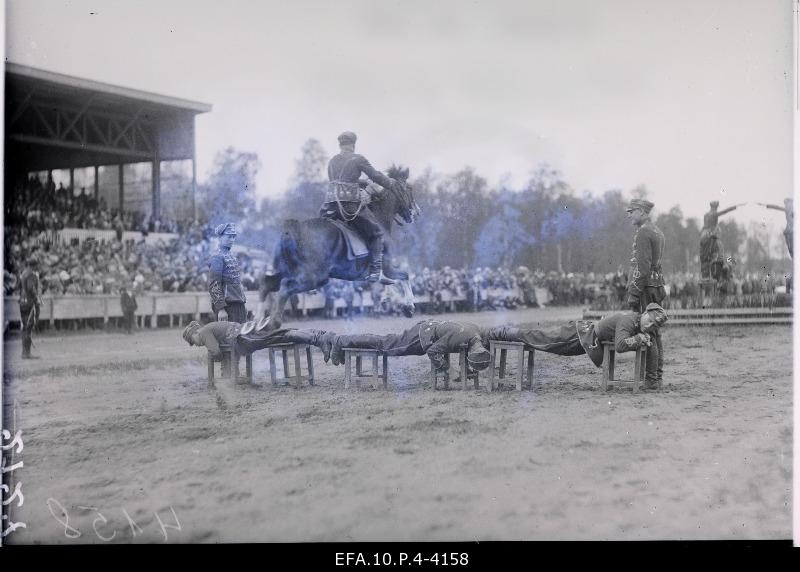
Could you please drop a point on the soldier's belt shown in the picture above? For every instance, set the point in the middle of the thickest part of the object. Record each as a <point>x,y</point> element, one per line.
<point>338,191</point>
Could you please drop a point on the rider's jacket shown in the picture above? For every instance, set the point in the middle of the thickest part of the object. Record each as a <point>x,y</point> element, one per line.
<point>344,171</point>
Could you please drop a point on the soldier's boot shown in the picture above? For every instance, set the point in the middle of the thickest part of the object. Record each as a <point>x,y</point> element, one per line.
<point>320,338</point>
<point>376,267</point>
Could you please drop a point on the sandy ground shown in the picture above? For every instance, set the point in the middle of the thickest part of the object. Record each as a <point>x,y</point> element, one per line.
<point>128,427</point>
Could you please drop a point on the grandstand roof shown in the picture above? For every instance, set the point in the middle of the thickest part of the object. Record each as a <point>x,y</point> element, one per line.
<point>69,87</point>
<point>55,121</point>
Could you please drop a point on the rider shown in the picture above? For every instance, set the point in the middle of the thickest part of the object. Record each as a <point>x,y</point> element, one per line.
<point>342,200</point>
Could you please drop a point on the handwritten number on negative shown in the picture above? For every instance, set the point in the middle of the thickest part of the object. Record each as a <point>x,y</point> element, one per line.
<point>69,531</point>
<point>17,493</point>
<point>16,442</point>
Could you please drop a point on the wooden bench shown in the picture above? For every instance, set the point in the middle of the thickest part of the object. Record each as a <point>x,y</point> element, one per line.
<point>298,376</point>
<point>464,374</point>
<point>380,375</point>
<point>521,349</point>
<point>639,366</point>
<point>230,358</point>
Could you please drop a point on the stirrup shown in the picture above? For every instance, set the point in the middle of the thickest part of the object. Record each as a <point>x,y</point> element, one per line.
<point>386,280</point>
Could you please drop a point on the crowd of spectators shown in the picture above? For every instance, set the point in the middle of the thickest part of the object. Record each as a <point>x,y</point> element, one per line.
<point>466,290</point>
<point>103,266</point>
<point>38,207</point>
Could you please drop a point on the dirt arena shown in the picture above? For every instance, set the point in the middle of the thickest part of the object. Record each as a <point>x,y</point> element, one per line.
<point>120,431</point>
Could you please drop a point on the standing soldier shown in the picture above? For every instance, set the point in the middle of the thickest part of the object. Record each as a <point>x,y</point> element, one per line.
<point>225,279</point>
<point>128,302</point>
<point>343,200</point>
<point>710,246</point>
<point>646,281</point>
<point>29,303</point>
<point>788,232</point>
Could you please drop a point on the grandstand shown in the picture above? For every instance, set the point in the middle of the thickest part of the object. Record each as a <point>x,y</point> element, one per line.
<point>59,122</point>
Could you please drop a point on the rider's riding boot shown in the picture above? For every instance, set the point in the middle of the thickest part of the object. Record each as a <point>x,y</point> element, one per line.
<point>376,267</point>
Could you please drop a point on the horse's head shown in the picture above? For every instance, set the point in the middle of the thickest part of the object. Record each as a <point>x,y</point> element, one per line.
<point>406,206</point>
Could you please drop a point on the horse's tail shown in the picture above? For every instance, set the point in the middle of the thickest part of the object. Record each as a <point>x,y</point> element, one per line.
<point>287,254</point>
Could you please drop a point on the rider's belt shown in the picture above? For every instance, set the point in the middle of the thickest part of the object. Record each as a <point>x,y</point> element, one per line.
<point>341,191</point>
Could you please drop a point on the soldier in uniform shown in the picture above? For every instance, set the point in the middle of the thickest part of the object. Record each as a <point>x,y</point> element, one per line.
<point>225,279</point>
<point>710,248</point>
<point>646,281</point>
<point>128,303</point>
<point>247,338</point>
<point>433,338</point>
<point>788,231</point>
<point>343,200</point>
<point>29,304</point>
<point>628,330</point>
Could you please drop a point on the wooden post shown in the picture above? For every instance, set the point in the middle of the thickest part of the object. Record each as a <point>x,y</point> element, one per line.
<point>273,372</point>
<point>121,178</point>
<point>156,186</point>
<point>105,312</point>
<point>310,366</point>
<point>531,353</point>
<point>297,371</point>
<point>493,351</point>
<point>96,183</point>
<point>154,318</point>
<point>520,367</point>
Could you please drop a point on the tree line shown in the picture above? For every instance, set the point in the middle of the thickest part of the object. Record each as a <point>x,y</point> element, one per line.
<point>545,224</point>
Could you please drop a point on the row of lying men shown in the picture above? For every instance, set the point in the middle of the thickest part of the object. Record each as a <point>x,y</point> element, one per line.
<point>436,338</point>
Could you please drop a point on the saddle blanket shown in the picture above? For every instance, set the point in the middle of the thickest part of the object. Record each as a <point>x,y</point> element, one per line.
<point>356,247</point>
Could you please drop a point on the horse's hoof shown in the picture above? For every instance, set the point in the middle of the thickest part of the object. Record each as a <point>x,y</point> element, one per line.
<point>408,311</point>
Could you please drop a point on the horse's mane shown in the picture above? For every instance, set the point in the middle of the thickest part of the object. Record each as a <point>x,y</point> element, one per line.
<point>397,172</point>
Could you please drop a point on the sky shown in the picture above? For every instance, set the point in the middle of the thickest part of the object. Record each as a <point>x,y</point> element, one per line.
<point>693,99</point>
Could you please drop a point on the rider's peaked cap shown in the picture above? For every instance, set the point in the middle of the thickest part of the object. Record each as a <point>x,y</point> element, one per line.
<point>347,138</point>
<point>225,228</point>
<point>643,204</point>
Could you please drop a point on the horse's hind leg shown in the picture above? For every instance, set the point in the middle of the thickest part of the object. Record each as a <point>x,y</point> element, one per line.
<point>290,287</point>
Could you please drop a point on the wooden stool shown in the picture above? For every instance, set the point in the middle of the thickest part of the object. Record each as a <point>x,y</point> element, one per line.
<point>521,350</point>
<point>609,356</point>
<point>230,356</point>
<point>298,377</point>
<point>464,375</point>
<point>377,374</point>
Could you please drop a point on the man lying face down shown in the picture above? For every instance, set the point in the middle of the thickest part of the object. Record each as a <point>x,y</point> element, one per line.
<point>628,330</point>
<point>436,339</point>
<point>433,338</point>
<point>247,338</point>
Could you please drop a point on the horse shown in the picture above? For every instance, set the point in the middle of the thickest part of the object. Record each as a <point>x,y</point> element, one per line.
<point>311,252</point>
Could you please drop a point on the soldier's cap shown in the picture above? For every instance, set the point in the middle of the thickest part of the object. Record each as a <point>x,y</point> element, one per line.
<point>478,356</point>
<point>191,328</point>
<point>225,228</point>
<point>347,138</point>
<point>658,313</point>
<point>643,204</point>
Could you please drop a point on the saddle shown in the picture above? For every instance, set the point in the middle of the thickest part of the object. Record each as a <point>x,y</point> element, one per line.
<point>356,247</point>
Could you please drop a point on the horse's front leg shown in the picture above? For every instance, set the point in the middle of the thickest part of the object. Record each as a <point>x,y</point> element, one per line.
<point>290,287</point>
